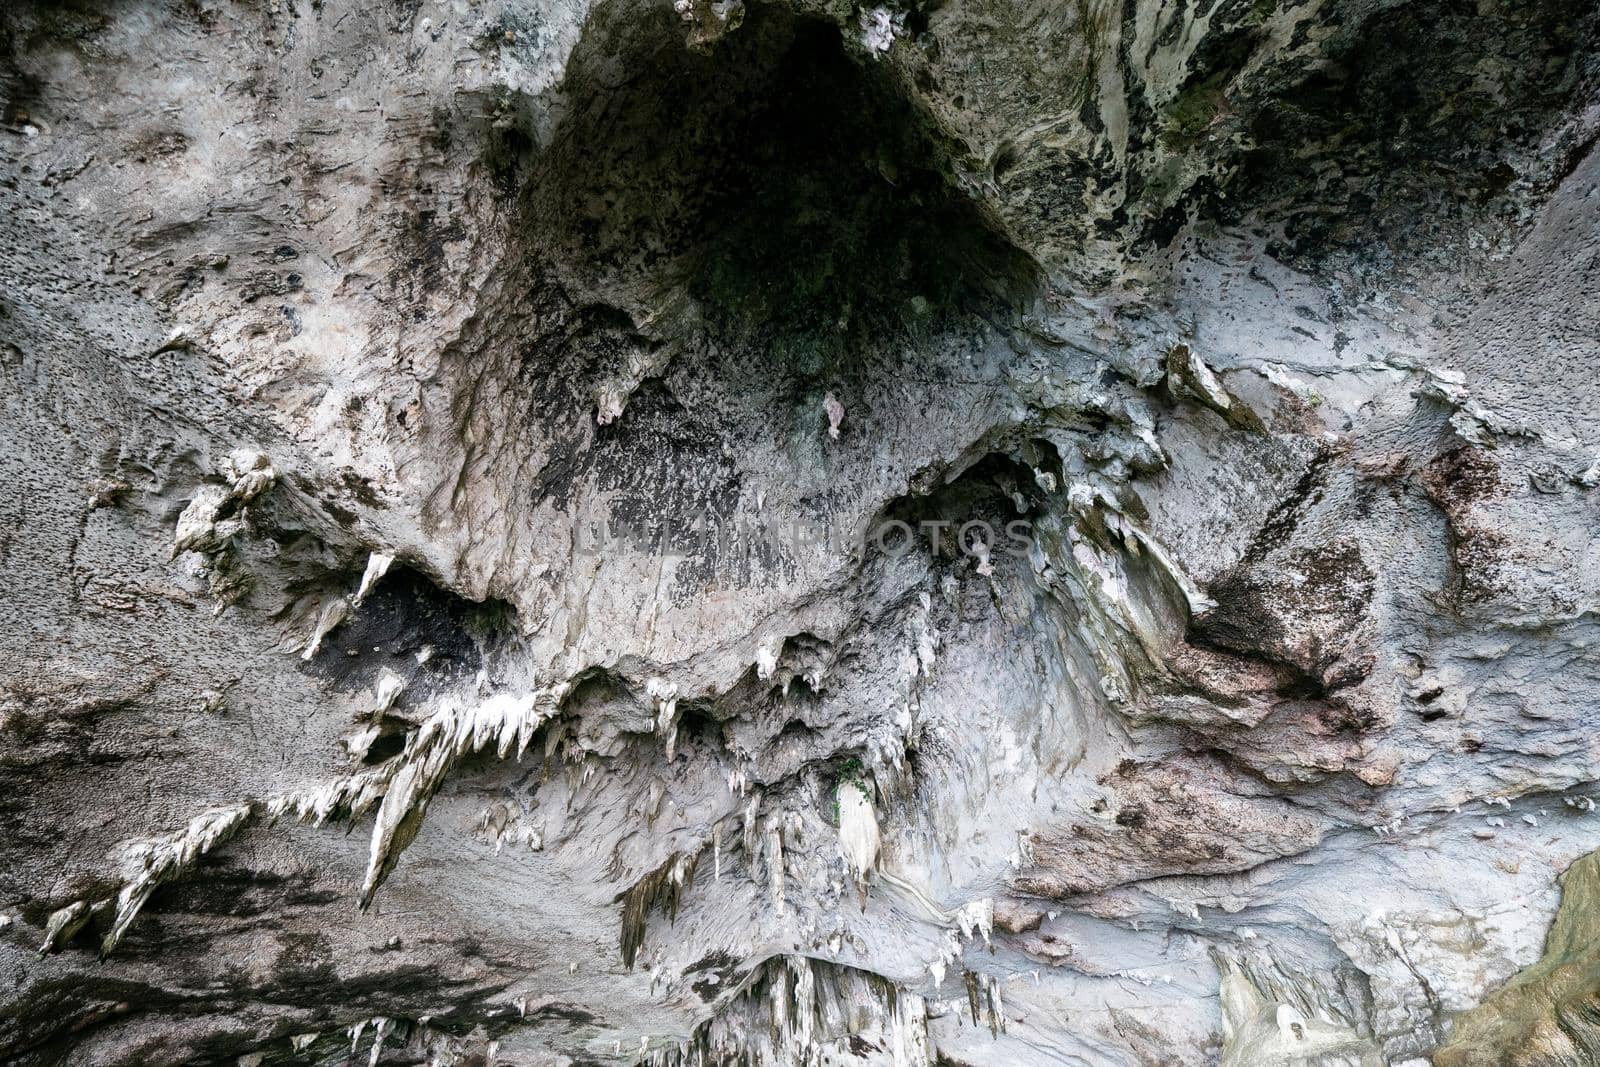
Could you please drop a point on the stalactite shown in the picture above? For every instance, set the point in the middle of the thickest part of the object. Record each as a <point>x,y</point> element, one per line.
<point>660,890</point>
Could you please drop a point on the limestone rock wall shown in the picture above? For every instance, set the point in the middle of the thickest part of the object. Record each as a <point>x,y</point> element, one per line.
<point>437,441</point>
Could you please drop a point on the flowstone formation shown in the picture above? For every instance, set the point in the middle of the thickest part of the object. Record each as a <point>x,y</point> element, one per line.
<point>543,532</point>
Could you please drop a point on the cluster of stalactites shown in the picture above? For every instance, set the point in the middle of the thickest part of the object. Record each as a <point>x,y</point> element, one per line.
<point>803,1012</point>
<point>151,864</point>
<point>505,723</point>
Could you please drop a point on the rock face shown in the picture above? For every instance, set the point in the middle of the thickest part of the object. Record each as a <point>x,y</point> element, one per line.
<point>1545,1014</point>
<point>545,532</point>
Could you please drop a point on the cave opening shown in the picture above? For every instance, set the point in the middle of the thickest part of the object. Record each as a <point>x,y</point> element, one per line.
<point>793,191</point>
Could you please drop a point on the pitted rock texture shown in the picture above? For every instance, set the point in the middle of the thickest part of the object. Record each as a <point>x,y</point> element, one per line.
<point>483,560</point>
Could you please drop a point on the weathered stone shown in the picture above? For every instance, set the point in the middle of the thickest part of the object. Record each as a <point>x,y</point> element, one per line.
<point>573,425</point>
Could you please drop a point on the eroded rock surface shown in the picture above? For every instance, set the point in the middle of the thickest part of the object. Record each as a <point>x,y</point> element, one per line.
<point>438,439</point>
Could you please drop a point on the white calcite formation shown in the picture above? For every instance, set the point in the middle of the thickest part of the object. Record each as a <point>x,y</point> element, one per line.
<point>494,563</point>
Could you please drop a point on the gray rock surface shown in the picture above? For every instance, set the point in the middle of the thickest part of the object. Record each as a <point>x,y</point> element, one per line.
<point>437,439</point>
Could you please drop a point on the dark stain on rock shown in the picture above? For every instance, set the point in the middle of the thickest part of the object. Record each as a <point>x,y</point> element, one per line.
<point>404,613</point>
